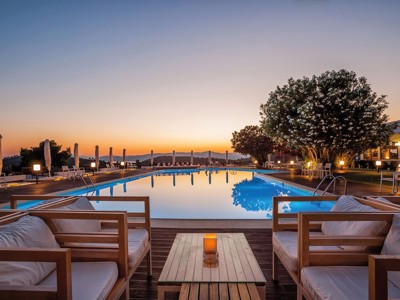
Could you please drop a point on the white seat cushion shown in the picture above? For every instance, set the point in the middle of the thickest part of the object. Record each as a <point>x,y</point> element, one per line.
<point>285,245</point>
<point>27,231</point>
<point>137,242</point>
<point>339,283</point>
<point>359,228</point>
<point>90,280</point>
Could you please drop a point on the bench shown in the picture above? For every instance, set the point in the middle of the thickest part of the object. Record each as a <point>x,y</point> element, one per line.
<point>237,291</point>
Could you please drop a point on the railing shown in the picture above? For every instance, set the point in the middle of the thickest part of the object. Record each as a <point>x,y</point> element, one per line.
<point>333,181</point>
<point>82,178</point>
<point>3,180</point>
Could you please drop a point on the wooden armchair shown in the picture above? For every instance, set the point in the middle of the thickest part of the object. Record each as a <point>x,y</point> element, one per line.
<point>79,272</point>
<point>285,238</point>
<point>349,274</point>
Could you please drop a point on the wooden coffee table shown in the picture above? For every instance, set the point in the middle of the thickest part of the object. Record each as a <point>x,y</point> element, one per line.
<point>184,264</point>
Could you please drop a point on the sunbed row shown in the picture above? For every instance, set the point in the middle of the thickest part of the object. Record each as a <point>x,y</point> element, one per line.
<point>95,252</point>
<point>343,254</point>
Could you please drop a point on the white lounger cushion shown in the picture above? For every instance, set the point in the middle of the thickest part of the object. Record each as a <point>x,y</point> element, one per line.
<point>69,225</point>
<point>359,228</point>
<point>339,283</point>
<point>90,280</point>
<point>137,242</point>
<point>26,232</point>
<point>285,245</point>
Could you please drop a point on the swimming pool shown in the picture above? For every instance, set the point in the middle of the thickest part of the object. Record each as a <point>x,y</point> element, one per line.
<point>204,194</point>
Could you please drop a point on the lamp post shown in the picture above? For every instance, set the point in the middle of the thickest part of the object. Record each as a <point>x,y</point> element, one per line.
<point>36,170</point>
<point>93,166</point>
<point>378,165</point>
<point>122,165</point>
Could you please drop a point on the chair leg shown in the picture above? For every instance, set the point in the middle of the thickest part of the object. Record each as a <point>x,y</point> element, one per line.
<point>274,266</point>
<point>149,264</point>
<point>125,294</point>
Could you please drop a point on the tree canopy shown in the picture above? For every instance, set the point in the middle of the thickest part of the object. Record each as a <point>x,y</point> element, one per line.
<point>332,115</point>
<point>36,154</point>
<point>253,141</point>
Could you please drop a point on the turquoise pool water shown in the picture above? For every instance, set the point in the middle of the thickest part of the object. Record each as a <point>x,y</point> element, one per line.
<point>204,194</point>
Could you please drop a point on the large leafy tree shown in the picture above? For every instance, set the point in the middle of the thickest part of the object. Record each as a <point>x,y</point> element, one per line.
<point>36,154</point>
<point>253,141</point>
<point>332,115</point>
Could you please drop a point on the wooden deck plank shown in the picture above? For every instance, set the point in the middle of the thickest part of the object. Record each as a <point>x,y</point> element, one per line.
<point>194,251</point>
<point>214,291</point>
<point>243,292</point>
<point>167,267</point>
<point>255,267</point>
<point>233,291</point>
<point>184,259</point>
<point>236,261</point>
<point>204,291</point>
<point>176,259</point>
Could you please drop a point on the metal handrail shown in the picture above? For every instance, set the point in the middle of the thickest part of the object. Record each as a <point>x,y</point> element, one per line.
<point>4,179</point>
<point>82,176</point>
<point>333,181</point>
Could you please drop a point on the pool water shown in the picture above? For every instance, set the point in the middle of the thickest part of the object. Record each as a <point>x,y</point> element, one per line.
<point>204,194</point>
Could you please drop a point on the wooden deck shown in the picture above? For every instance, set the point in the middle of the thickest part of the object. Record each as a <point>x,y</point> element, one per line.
<point>260,241</point>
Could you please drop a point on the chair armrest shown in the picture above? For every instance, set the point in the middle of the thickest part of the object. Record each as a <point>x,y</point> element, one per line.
<point>378,266</point>
<point>277,216</point>
<point>15,198</point>
<point>62,258</point>
<point>309,257</point>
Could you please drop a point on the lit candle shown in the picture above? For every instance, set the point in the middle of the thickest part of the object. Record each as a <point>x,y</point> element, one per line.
<point>210,243</point>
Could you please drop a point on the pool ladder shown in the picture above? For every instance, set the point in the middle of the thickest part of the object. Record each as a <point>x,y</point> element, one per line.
<point>3,180</point>
<point>89,183</point>
<point>333,181</point>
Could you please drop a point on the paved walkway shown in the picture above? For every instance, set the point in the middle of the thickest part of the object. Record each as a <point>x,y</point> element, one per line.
<point>52,186</point>
<point>353,188</point>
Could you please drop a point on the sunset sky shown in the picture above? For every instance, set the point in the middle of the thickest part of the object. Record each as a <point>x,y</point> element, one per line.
<point>176,75</point>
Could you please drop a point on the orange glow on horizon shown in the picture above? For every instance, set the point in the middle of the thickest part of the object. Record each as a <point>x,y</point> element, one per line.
<point>12,147</point>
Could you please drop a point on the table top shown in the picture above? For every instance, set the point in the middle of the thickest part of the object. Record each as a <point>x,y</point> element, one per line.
<point>236,261</point>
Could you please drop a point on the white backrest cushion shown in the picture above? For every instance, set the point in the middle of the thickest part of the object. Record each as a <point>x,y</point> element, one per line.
<point>349,204</point>
<point>27,231</point>
<point>360,228</point>
<point>71,225</point>
<point>391,246</point>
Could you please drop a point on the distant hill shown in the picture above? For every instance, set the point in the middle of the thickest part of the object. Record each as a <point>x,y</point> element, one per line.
<point>215,155</point>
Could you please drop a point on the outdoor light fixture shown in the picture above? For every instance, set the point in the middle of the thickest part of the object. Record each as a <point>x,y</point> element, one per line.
<point>378,164</point>
<point>292,162</point>
<point>93,166</point>
<point>36,170</point>
<point>309,164</point>
<point>122,164</point>
<point>210,254</point>
<point>279,161</point>
<point>341,163</point>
